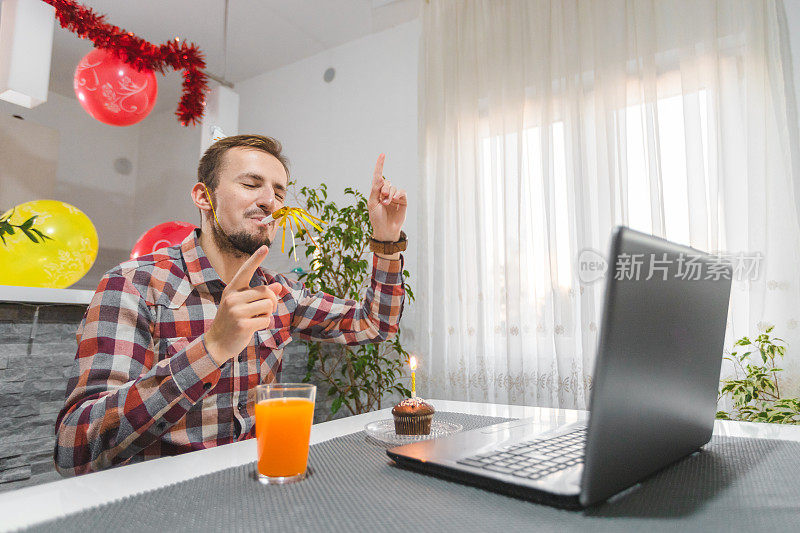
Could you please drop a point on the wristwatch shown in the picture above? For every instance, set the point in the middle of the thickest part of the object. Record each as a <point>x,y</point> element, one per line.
<point>389,248</point>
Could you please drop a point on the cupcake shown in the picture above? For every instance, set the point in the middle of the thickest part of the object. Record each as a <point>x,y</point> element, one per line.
<point>413,416</point>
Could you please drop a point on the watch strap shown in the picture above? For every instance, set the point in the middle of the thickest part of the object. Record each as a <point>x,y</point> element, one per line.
<point>389,248</point>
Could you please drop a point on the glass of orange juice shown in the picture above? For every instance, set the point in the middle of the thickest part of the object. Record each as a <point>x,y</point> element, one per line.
<point>284,412</point>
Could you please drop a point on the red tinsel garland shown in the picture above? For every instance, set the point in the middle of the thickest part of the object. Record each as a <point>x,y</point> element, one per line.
<point>141,54</point>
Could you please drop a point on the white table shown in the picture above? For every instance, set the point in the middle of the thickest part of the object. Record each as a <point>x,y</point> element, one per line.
<point>32,505</point>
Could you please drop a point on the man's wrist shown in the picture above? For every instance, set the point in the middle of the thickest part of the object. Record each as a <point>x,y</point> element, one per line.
<point>214,350</point>
<point>386,238</point>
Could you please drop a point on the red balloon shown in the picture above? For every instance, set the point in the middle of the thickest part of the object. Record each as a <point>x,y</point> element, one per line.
<point>112,91</point>
<point>161,236</point>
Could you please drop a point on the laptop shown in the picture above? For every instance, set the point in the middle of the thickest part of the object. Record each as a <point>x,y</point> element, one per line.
<point>653,399</point>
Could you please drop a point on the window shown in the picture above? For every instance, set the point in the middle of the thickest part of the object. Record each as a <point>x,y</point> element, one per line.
<point>672,147</point>
<point>649,135</point>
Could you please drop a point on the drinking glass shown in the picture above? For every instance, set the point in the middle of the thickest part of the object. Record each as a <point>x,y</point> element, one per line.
<point>284,412</point>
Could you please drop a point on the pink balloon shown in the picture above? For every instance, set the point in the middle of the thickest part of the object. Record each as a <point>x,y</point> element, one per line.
<point>161,236</point>
<point>112,91</point>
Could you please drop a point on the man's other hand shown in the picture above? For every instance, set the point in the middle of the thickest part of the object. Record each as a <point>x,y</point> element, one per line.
<point>387,206</point>
<point>242,311</point>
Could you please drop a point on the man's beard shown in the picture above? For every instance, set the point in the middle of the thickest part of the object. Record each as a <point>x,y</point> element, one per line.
<point>240,243</point>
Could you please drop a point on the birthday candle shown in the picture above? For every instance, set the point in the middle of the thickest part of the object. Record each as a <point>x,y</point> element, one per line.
<point>412,362</point>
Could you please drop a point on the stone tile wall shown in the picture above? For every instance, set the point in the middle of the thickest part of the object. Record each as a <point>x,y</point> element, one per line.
<point>34,364</point>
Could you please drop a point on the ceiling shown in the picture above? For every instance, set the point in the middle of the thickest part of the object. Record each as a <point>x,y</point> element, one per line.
<point>262,35</point>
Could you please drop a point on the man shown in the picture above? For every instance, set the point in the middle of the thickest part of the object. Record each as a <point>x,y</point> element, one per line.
<point>173,343</point>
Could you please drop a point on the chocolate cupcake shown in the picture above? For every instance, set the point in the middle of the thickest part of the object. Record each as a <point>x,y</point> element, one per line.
<point>413,416</point>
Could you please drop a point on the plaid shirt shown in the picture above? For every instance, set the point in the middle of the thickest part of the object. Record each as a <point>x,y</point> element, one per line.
<point>143,384</point>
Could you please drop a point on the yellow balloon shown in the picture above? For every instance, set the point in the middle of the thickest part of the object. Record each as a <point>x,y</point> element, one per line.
<point>56,263</point>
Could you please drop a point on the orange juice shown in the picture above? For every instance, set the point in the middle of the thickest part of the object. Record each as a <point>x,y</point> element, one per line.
<point>283,430</point>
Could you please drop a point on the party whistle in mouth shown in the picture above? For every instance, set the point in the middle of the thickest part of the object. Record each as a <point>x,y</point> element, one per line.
<point>294,217</point>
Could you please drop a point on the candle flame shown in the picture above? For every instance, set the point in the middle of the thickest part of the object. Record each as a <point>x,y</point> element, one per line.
<point>412,362</point>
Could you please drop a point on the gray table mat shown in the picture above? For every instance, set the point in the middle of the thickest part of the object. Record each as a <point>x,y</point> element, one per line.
<point>734,484</point>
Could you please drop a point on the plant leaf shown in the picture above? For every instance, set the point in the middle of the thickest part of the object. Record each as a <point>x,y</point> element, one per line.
<point>32,236</point>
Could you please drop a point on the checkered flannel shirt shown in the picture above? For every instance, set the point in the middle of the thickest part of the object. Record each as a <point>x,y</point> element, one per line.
<point>143,384</point>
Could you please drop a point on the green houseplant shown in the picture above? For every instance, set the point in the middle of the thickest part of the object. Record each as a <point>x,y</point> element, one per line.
<point>755,388</point>
<point>358,377</point>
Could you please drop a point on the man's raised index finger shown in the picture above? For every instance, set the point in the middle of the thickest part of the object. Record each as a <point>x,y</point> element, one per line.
<point>377,176</point>
<point>241,280</point>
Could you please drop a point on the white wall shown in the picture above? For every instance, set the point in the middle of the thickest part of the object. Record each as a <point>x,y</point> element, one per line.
<point>168,157</point>
<point>28,161</point>
<point>334,132</point>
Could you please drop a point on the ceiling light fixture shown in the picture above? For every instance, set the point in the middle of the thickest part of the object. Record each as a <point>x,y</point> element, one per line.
<point>222,109</point>
<point>221,79</point>
<point>26,45</point>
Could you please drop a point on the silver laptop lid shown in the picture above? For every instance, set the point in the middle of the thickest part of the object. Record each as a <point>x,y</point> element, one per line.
<point>658,360</point>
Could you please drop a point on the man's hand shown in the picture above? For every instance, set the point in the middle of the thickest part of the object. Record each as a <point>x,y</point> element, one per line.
<point>242,311</point>
<point>387,206</point>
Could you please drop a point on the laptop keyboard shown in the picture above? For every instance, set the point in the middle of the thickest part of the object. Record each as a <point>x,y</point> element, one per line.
<point>533,459</point>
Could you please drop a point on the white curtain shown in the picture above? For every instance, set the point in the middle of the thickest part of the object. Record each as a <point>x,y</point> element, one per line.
<point>543,124</point>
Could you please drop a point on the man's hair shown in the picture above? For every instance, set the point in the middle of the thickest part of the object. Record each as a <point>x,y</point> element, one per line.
<point>211,162</point>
